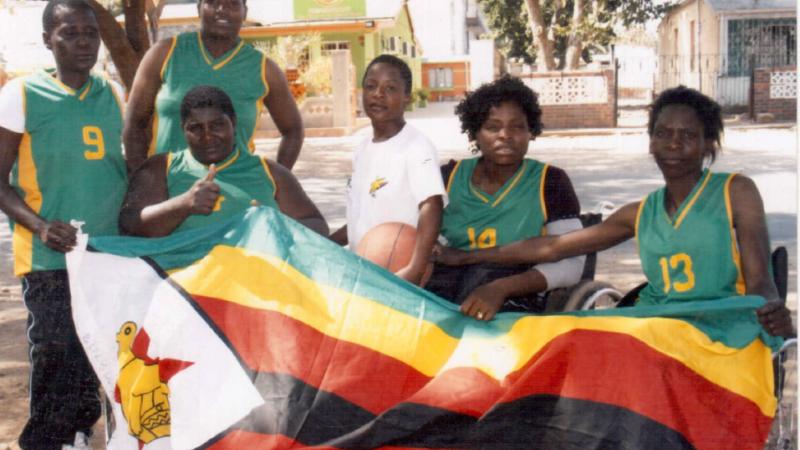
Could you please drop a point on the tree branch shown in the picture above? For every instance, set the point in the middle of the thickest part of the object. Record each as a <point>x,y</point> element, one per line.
<point>544,46</point>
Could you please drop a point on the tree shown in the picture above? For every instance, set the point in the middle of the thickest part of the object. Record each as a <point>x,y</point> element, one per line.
<point>557,34</point>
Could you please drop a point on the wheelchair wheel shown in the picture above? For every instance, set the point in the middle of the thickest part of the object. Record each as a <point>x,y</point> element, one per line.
<point>589,294</point>
<point>783,435</point>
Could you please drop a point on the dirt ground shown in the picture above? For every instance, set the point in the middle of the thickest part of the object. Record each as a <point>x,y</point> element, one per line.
<point>605,167</point>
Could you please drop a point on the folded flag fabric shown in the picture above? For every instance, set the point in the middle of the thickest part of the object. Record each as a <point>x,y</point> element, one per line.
<point>258,333</point>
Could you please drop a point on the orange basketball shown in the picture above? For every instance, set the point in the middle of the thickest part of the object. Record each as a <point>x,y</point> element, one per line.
<point>391,245</point>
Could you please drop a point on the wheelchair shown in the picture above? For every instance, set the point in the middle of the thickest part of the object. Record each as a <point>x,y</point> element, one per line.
<point>588,293</point>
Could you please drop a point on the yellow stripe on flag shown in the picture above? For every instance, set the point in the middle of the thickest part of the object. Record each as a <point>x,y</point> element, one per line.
<point>262,282</point>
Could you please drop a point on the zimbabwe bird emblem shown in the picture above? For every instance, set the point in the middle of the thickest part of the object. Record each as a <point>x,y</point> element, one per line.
<point>140,391</point>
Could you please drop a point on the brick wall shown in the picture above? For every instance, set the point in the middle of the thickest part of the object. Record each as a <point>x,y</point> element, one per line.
<point>783,109</point>
<point>567,108</point>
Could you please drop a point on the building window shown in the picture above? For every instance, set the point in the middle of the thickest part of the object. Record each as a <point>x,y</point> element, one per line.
<point>675,43</point>
<point>329,46</point>
<point>405,48</point>
<point>392,44</point>
<point>754,43</point>
<point>441,78</point>
<point>413,51</point>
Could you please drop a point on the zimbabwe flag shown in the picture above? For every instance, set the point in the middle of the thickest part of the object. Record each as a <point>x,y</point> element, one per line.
<point>258,333</point>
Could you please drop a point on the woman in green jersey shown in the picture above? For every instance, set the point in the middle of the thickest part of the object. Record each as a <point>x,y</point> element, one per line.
<point>212,179</point>
<point>61,161</point>
<point>500,197</point>
<point>214,56</point>
<point>702,236</point>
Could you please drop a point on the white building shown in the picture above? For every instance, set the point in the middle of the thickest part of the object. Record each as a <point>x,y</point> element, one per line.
<point>450,32</point>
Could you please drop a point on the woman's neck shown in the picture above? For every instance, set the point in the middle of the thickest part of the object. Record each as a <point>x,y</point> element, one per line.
<point>498,173</point>
<point>680,188</point>
<point>383,131</point>
<point>219,45</point>
<point>490,177</point>
<point>75,80</point>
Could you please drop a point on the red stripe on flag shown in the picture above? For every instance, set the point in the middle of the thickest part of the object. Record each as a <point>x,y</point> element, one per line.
<point>272,342</point>
<point>581,364</point>
<point>592,365</point>
<point>615,369</point>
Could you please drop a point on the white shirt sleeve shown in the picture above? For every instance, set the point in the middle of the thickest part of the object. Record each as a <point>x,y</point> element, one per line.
<point>424,176</point>
<point>12,108</point>
<point>566,272</point>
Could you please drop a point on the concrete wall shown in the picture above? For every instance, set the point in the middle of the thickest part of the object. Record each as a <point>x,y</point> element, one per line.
<point>575,99</point>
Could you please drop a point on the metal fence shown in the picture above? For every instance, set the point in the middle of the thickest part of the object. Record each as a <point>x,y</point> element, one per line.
<point>724,78</point>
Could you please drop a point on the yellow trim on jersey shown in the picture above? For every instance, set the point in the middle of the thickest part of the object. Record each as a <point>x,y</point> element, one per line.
<point>638,218</point>
<point>741,287</point>
<point>251,145</point>
<point>541,192</point>
<point>58,83</point>
<point>84,89</point>
<point>169,162</point>
<point>271,178</point>
<point>230,161</point>
<point>264,74</point>
<point>22,241</point>
<point>477,194</point>
<point>514,182</point>
<point>452,175</point>
<point>151,149</point>
<point>220,64</point>
<point>168,57</point>
<point>692,201</point>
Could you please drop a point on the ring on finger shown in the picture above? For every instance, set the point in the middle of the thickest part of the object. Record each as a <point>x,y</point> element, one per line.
<point>479,315</point>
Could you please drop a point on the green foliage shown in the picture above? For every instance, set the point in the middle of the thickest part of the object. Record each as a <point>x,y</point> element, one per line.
<point>289,51</point>
<point>316,75</point>
<point>294,52</point>
<point>509,21</point>
<point>511,32</point>
<point>421,96</point>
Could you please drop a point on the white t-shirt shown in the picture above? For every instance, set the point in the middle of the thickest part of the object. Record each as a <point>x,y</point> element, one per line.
<point>390,179</point>
<point>12,104</point>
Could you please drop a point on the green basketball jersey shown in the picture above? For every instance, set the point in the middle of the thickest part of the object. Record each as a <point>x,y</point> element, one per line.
<point>242,178</point>
<point>70,163</point>
<point>694,254</point>
<point>474,219</point>
<point>240,73</point>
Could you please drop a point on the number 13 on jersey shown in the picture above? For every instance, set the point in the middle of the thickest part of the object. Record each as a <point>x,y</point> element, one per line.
<point>687,280</point>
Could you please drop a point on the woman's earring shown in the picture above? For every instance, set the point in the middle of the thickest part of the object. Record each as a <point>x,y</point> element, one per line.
<point>473,148</point>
